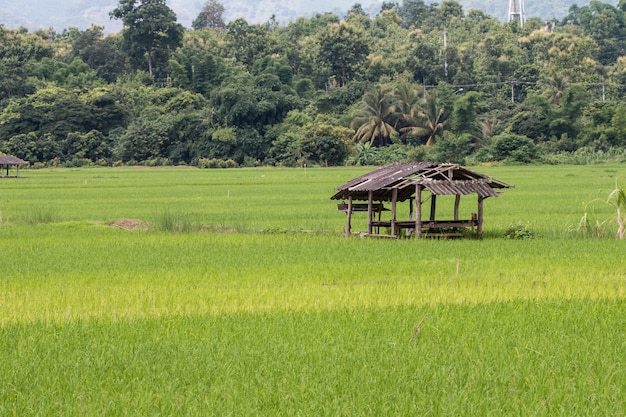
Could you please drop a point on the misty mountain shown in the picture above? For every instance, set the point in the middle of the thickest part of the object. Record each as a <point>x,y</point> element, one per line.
<point>63,14</point>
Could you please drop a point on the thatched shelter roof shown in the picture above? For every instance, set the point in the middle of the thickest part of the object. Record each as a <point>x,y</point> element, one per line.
<point>11,160</point>
<point>438,178</point>
<point>8,161</point>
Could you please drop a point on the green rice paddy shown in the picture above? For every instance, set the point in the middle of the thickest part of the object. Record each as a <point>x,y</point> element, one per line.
<point>234,292</point>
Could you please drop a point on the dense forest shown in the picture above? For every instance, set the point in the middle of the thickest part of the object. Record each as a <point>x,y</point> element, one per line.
<point>414,82</point>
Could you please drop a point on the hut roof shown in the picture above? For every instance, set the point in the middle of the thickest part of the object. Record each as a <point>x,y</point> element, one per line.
<point>438,178</point>
<point>11,160</point>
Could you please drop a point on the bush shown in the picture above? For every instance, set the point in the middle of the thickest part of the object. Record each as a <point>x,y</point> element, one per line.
<point>452,148</point>
<point>519,232</point>
<point>514,148</point>
<point>216,163</point>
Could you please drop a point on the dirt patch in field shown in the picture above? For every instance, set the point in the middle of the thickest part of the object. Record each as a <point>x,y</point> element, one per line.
<point>129,224</point>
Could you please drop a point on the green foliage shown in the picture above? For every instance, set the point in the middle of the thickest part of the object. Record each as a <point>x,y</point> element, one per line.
<point>210,17</point>
<point>216,163</point>
<point>514,148</point>
<point>18,53</point>
<point>92,145</point>
<point>150,29</point>
<point>172,222</point>
<point>38,215</point>
<point>103,55</point>
<point>247,42</point>
<point>562,87</point>
<point>519,232</point>
<point>374,119</point>
<point>342,51</point>
<point>145,138</point>
<point>464,117</point>
<point>365,154</point>
<point>452,148</point>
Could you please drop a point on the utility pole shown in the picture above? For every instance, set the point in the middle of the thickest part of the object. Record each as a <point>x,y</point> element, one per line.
<point>445,51</point>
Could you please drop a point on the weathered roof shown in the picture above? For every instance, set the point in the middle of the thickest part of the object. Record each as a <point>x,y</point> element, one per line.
<point>11,160</point>
<point>438,178</point>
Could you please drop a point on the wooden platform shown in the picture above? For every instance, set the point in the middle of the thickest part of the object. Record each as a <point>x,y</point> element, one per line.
<point>376,207</point>
<point>430,229</point>
<point>428,224</point>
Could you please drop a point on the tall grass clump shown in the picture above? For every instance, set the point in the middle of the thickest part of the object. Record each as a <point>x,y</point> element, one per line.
<point>591,226</point>
<point>39,215</point>
<point>173,221</point>
<point>617,199</point>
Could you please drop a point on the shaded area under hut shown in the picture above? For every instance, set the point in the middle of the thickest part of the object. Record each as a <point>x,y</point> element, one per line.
<point>416,183</point>
<point>8,162</point>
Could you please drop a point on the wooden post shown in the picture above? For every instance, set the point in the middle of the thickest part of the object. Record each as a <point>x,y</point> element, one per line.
<point>433,206</point>
<point>370,197</point>
<point>349,217</point>
<point>457,202</point>
<point>394,200</point>
<point>418,211</point>
<point>480,216</point>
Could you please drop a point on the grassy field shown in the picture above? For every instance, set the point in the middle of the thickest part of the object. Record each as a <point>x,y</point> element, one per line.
<point>241,297</point>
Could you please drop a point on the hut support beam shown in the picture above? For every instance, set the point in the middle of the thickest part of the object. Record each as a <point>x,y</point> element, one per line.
<point>433,207</point>
<point>370,202</point>
<point>349,217</point>
<point>457,202</point>
<point>418,211</point>
<point>480,216</point>
<point>394,200</point>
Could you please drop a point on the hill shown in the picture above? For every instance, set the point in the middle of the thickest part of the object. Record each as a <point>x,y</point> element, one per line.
<point>62,14</point>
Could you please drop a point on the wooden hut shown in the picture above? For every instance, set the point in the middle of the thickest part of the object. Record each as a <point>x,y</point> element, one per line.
<point>7,162</point>
<point>417,183</point>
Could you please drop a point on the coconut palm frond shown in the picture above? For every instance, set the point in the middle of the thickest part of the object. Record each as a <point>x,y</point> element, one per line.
<point>617,199</point>
<point>375,117</point>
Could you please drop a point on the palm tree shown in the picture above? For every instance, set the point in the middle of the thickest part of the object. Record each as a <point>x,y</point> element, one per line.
<point>374,120</point>
<point>554,86</point>
<point>430,120</point>
<point>408,97</point>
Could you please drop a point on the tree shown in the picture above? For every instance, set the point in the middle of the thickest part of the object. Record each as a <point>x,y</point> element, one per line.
<point>328,143</point>
<point>605,24</point>
<point>146,138</point>
<point>430,120</point>
<point>103,55</point>
<point>465,114</point>
<point>343,50</point>
<point>413,12</point>
<point>150,28</point>
<point>18,52</point>
<point>247,42</point>
<point>210,16</point>
<point>408,98</point>
<point>92,145</point>
<point>357,10</point>
<point>374,120</point>
<point>555,86</point>
<point>514,148</point>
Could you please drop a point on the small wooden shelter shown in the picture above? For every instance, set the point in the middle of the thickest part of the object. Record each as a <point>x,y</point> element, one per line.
<point>417,183</point>
<point>7,162</point>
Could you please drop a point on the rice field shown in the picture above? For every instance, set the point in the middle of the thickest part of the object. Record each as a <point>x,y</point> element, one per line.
<point>234,292</point>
